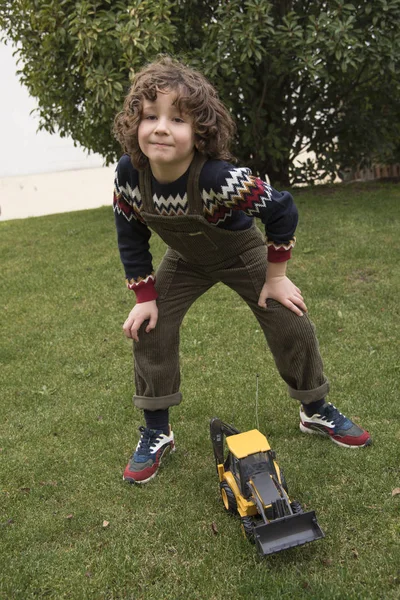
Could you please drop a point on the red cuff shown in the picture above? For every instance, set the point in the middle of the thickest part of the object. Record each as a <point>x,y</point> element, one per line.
<point>145,291</point>
<point>277,256</point>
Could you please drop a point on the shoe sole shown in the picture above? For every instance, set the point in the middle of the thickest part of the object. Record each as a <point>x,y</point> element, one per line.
<point>314,431</point>
<point>132,481</point>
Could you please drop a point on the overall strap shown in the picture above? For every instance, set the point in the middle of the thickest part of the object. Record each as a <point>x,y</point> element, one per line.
<point>195,201</point>
<point>145,190</point>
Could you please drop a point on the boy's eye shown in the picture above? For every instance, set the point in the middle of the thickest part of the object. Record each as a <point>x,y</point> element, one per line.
<point>150,117</point>
<point>178,120</point>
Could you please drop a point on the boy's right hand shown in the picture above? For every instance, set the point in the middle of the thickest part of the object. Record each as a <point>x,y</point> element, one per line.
<point>145,311</point>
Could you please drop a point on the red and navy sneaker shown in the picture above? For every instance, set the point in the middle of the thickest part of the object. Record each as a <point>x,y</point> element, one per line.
<point>152,446</point>
<point>330,422</point>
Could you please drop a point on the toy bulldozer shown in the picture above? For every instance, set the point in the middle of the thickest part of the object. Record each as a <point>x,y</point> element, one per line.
<point>253,486</point>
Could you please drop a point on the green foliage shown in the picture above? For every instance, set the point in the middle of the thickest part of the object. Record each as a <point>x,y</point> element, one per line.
<point>297,75</point>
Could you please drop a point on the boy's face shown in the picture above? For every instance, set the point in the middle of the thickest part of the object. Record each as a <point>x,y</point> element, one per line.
<point>166,137</point>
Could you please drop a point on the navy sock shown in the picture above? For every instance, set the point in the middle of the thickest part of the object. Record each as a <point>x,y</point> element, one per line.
<point>313,407</point>
<point>157,419</point>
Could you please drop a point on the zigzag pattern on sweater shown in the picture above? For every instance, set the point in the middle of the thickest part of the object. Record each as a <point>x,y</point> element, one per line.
<point>214,211</point>
<point>171,206</point>
<point>243,191</point>
<point>124,203</point>
<point>134,283</point>
<point>246,191</point>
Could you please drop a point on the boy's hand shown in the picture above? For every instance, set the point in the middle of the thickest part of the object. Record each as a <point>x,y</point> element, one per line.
<point>140,313</point>
<point>284,291</point>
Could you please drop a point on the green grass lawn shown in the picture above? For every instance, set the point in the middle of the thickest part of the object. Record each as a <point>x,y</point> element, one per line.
<point>68,427</point>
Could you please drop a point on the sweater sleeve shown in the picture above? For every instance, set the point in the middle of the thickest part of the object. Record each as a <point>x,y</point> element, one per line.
<point>133,235</point>
<point>235,188</point>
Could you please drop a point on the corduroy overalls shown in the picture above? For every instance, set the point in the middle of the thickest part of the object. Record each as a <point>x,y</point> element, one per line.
<point>200,255</point>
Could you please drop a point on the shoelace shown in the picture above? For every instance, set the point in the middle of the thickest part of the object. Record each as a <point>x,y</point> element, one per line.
<point>147,440</point>
<point>331,413</point>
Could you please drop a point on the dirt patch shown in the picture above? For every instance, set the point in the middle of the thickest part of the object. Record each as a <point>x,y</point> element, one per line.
<point>362,276</point>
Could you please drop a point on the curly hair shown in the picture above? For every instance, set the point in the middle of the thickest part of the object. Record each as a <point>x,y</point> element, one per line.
<point>212,124</point>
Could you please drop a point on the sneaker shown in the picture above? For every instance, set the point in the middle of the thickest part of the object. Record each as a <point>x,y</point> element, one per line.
<point>152,446</point>
<point>330,422</point>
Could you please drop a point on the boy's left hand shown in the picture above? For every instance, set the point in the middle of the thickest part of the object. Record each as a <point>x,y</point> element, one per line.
<point>284,291</point>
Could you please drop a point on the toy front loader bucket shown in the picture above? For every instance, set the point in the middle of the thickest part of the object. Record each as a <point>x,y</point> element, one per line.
<point>287,532</point>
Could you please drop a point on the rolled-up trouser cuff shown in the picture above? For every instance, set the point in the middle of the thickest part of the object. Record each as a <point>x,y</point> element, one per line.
<point>307,396</point>
<point>157,403</point>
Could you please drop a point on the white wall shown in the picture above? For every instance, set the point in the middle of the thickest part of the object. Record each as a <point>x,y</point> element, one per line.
<point>40,173</point>
<point>22,149</point>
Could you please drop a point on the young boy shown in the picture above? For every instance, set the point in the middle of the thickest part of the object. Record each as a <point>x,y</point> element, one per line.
<point>174,180</point>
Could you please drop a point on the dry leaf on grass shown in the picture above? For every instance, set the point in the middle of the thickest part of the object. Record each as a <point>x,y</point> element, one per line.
<point>327,562</point>
<point>8,522</point>
<point>396,492</point>
<point>214,528</point>
<point>106,523</point>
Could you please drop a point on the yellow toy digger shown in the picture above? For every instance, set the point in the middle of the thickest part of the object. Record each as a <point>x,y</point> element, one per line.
<point>253,486</point>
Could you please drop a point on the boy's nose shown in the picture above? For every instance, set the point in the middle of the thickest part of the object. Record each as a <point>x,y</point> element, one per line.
<point>162,126</point>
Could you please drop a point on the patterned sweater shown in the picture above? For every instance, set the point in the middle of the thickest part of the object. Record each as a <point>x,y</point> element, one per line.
<point>232,197</point>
